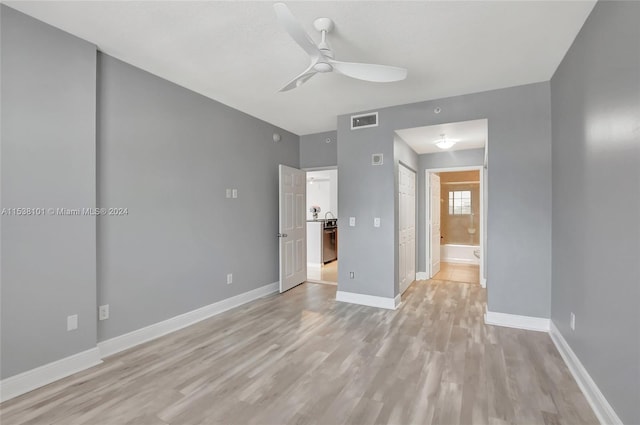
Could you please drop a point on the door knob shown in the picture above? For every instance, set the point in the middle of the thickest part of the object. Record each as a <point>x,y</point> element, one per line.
<point>282,235</point>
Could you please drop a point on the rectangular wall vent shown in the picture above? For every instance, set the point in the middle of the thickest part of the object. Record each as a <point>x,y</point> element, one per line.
<point>364,120</point>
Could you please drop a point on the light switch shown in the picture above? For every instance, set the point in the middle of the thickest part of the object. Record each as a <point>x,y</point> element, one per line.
<point>352,221</point>
<point>72,322</point>
<point>234,193</point>
<point>228,193</point>
<point>376,222</point>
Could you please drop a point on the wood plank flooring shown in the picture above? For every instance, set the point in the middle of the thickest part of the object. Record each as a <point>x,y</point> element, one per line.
<point>303,358</point>
<point>469,273</point>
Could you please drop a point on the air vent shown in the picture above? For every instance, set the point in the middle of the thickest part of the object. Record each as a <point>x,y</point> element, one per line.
<point>376,159</point>
<point>364,120</point>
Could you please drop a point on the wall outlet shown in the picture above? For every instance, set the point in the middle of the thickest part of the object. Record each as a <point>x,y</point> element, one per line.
<point>376,222</point>
<point>228,193</point>
<point>352,221</point>
<point>234,193</point>
<point>572,321</point>
<point>72,322</point>
<point>352,275</point>
<point>229,278</point>
<point>103,312</point>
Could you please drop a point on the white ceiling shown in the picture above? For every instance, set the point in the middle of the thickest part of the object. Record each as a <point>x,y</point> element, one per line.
<point>237,54</point>
<point>470,135</point>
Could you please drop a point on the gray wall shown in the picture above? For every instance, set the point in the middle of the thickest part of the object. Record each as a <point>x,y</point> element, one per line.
<point>519,216</point>
<point>316,152</point>
<point>48,161</point>
<point>168,154</point>
<point>595,97</point>
<point>465,158</point>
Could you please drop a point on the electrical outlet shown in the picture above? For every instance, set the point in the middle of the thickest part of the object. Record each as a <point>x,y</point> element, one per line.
<point>376,222</point>
<point>234,193</point>
<point>229,278</point>
<point>72,322</point>
<point>103,312</point>
<point>572,321</point>
<point>352,221</point>
<point>352,275</point>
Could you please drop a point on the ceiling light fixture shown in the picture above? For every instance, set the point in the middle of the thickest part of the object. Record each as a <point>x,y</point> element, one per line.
<point>444,143</point>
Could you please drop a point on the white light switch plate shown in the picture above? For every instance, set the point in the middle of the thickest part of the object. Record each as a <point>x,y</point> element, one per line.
<point>234,193</point>
<point>352,221</point>
<point>72,322</point>
<point>228,193</point>
<point>103,312</point>
<point>376,222</point>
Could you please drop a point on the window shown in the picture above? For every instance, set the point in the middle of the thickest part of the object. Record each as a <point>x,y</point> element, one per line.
<point>460,202</point>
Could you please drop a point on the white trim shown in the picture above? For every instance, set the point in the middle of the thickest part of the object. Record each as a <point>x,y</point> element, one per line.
<point>483,230</point>
<point>483,282</point>
<point>35,378</point>
<point>368,300</point>
<point>601,407</point>
<point>131,339</point>
<point>454,260</point>
<point>422,276</point>
<point>529,323</point>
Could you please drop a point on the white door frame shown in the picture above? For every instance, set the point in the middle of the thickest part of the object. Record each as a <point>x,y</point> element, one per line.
<point>480,168</point>
<point>308,169</point>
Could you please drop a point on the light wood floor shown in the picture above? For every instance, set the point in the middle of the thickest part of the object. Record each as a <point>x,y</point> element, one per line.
<point>326,273</point>
<point>469,273</point>
<point>303,358</point>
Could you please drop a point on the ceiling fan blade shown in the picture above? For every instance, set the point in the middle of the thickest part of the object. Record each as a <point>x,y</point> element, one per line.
<point>295,30</point>
<point>369,72</point>
<point>300,79</point>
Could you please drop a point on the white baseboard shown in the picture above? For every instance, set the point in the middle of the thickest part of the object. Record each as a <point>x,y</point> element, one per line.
<point>599,404</point>
<point>516,321</point>
<point>30,380</point>
<point>422,276</point>
<point>368,300</point>
<point>454,260</point>
<point>131,339</point>
<point>483,282</point>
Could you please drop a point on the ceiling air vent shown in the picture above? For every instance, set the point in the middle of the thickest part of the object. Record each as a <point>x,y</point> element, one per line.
<point>364,120</point>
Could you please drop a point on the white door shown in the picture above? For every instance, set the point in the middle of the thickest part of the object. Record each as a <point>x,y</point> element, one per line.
<point>293,227</point>
<point>407,226</point>
<point>434,221</point>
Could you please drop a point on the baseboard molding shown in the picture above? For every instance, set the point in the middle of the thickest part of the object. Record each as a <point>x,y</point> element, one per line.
<point>131,339</point>
<point>529,323</point>
<point>601,407</point>
<point>368,300</point>
<point>459,261</point>
<point>483,282</point>
<point>30,380</point>
<point>422,276</point>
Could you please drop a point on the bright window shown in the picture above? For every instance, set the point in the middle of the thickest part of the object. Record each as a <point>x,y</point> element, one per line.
<point>460,202</point>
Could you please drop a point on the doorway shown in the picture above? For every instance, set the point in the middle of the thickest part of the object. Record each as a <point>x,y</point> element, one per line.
<point>456,225</point>
<point>322,226</point>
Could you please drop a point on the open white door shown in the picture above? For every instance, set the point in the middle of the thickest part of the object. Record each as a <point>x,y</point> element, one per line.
<point>293,227</point>
<point>434,223</point>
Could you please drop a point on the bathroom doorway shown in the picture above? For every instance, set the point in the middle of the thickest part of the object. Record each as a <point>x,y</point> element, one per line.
<point>455,207</point>
<point>322,226</point>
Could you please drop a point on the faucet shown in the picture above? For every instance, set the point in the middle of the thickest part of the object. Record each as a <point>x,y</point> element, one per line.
<point>329,212</point>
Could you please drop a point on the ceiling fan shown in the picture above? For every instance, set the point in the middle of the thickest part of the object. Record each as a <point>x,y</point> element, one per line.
<point>321,55</point>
